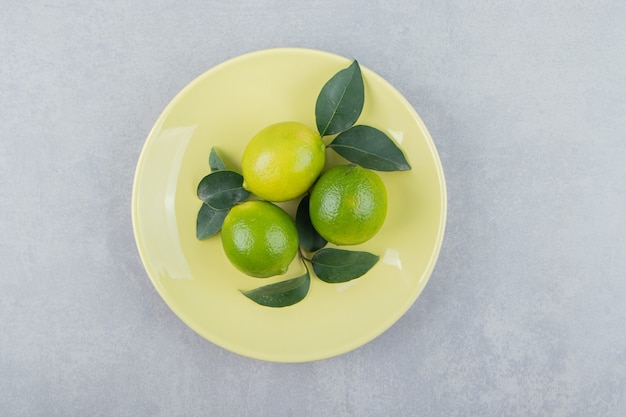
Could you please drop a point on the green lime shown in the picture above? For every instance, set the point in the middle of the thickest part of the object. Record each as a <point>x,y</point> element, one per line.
<point>348,204</point>
<point>282,161</point>
<point>259,238</point>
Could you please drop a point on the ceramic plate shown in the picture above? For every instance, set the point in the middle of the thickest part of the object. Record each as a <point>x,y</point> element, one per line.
<point>224,108</point>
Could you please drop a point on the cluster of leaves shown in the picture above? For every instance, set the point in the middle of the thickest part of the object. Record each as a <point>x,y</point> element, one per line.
<point>338,107</point>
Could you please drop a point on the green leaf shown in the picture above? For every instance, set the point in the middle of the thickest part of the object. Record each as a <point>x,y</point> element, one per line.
<point>215,162</point>
<point>209,221</point>
<point>310,240</point>
<point>281,294</point>
<point>370,148</point>
<point>340,101</point>
<point>222,189</point>
<point>338,265</point>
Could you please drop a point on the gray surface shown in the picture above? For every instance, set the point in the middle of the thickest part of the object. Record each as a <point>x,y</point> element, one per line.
<point>524,314</point>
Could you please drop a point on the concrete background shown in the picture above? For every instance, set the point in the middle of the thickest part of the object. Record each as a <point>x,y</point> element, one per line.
<point>524,314</point>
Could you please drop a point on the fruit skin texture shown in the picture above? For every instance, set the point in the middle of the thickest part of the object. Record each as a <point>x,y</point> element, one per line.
<point>259,238</point>
<point>348,205</point>
<point>282,161</point>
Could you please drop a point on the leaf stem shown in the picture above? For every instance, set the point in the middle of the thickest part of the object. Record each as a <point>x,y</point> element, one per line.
<point>302,254</point>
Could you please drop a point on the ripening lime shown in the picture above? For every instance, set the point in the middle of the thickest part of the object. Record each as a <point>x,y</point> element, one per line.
<point>259,238</point>
<point>348,205</point>
<point>282,161</point>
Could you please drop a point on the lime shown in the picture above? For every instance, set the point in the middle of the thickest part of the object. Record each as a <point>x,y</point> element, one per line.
<point>259,238</point>
<point>348,205</point>
<point>282,161</point>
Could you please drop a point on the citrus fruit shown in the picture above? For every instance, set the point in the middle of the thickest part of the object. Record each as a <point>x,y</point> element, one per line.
<point>348,205</point>
<point>259,238</point>
<point>282,161</point>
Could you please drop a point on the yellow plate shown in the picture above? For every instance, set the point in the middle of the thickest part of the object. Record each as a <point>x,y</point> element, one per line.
<point>224,108</point>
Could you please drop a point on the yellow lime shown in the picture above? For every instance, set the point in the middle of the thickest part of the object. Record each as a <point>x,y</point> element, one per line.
<point>282,161</point>
<point>259,238</point>
<point>348,204</point>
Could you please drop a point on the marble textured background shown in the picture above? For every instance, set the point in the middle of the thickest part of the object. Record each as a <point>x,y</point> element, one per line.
<point>524,314</point>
